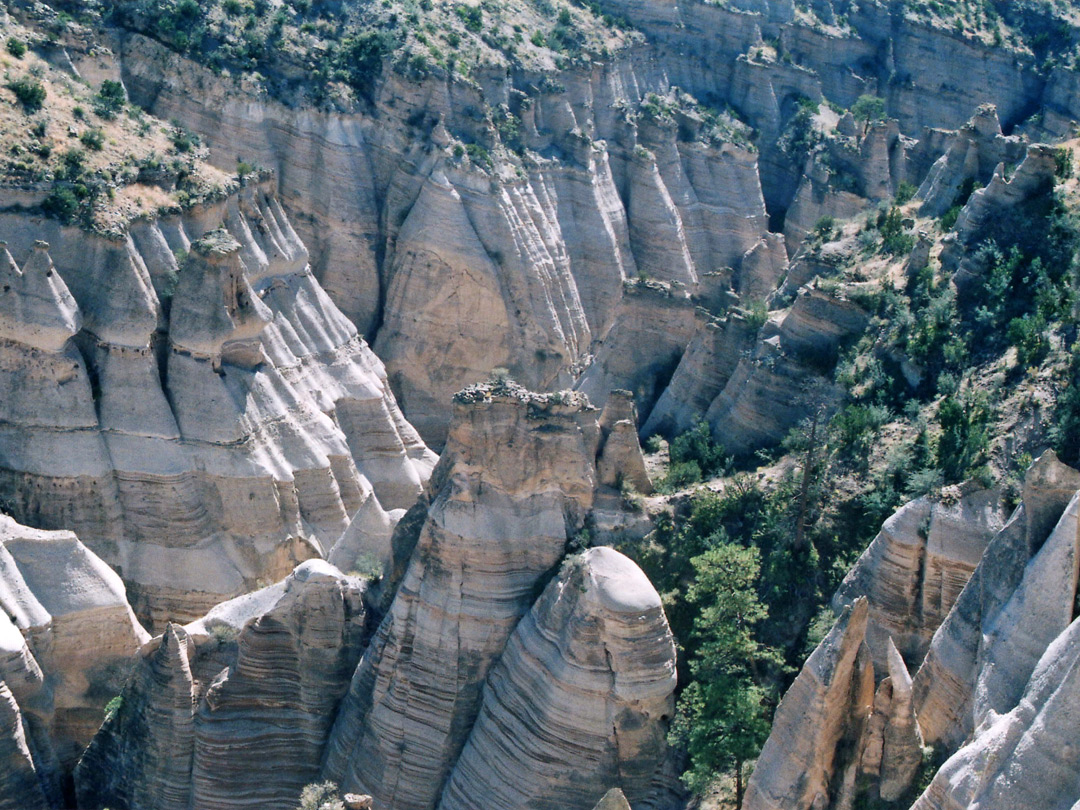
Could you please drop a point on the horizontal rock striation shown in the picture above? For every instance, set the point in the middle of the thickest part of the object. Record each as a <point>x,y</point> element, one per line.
<point>191,733</point>
<point>580,698</point>
<point>516,480</point>
<point>191,402</point>
<point>914,570</point>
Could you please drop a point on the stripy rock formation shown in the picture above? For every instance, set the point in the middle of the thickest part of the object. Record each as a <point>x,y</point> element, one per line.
<point>208,721</point>
<point>994,687</point>
<point>202,426</point>
<point>66,638</point>
<point>516,480</point>
<point>578,699</point>
<point>211,722</point>
<point>914,570</point>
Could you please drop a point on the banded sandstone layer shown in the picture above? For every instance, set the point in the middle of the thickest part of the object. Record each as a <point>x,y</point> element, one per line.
<point>204,713</point>
<point>203,427</point>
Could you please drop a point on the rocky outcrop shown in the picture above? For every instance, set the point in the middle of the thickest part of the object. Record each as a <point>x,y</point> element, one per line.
<point>972,156</point>
<point>614,799</point>
<point>868,164</point>
<point>794,351</point>
<point>203,423</point>
<point>1024,758</point>
<point>365,545</point>
<point>1033,179</point>
<point>620,463</point>
<point>914,570</point>
<point>995,688</point>
<point>656,321</point>
<point>835,736</point>
<point>705,368</point>
<point>188,732</point>
<point>460,267</point>
<point>515,483</point>
<point>478,311</point>
<point>67,635</point>
<point>20,788</point>
<point>580,698</point>
<point>811,755</point>
<point>959,657</point>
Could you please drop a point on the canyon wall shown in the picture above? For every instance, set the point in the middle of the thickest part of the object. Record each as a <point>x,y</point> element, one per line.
<point>189,400</point>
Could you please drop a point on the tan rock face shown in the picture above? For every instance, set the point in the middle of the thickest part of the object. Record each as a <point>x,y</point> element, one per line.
<point>67,636</point>
<point>614,799</point>
<point>580,698</point>
<point>710,359</point>
<point>827,703</point>
<point>996,688</point>
<point>211,425</point>
<point>914,570</point>
<point>516,480</point>
<point>251,734</point>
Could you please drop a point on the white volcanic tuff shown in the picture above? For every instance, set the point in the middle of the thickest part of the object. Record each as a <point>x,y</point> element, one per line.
<point>245,451</point>
<point>914,570</point>
<point>973,154</point>
<point>540,304</point>
<point>516,479</point>
<point>956,668</point>
<point>250,735</point>
<point>620,460</point>
<point>654,326</point>
<point>19,785</point>
<point>656,228</point>
<point>443,283</point>
<point>35,305</point>
<point>702,373</point>
<point>149,765</point>
<point>367,540</point>
<point>1027,758</point>
<point>79,636</point>
<point>261,728</point>
<point>756,406</point>
<point>592,221</point>
<point>834,735</point>
<point>986,206</point>
<point>579,699</point>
